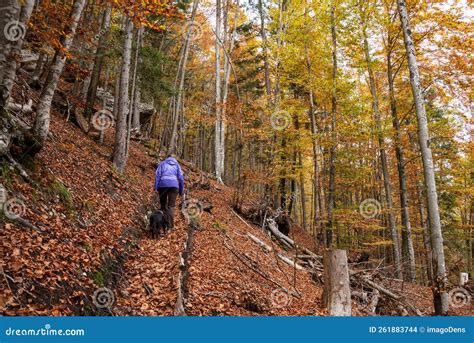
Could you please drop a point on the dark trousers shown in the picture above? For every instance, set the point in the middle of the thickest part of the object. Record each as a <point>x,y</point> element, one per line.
<point>168,202</point>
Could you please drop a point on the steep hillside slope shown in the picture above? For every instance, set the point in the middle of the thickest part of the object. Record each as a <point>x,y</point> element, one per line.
<point>91,236</point>
<point>87,251</point>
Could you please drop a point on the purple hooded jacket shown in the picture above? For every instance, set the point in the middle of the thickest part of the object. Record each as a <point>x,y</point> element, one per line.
<point>169,174</point>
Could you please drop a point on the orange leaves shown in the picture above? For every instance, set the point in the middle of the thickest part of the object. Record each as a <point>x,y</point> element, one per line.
<point>147,12</point>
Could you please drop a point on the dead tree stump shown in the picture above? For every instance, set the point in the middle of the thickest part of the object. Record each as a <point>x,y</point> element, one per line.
<point>337,294</point>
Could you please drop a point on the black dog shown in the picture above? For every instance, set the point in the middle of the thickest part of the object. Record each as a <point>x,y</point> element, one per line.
<point>157,222</point>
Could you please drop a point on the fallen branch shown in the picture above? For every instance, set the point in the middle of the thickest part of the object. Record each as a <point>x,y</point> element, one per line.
<point>242,219</point>
<point>250,264</point>
<point>285,240</point>
<point>376,286</point>
<point>24,222</point>
<point>180,308</point>
<point>289,261</point>
<point>23,108</point>
<point>312,262</point>
<point>257,240</point>
<point>18,166</point>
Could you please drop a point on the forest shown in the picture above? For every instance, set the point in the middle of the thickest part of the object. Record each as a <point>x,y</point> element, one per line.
<point>321,142</point>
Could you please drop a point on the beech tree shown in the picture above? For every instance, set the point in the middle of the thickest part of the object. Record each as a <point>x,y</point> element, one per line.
<point>309,110</point>
<point>98,61</point>
<point>121,133</point>
<point>43,112</point>
<point>439,289</point>
<point>383,157</point>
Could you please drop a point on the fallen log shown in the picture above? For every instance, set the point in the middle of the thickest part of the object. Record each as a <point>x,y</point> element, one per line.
<point>24,108</point>
<point>254,266</point>
<point>19,167</point>
<point>257,240</point>
<point>288,241</point>
<point>25,223</point>
<point>313,264</point>
<point>289,261</point>
<point>180,306</point>
<point>374,300</point>
<point>373,285</point>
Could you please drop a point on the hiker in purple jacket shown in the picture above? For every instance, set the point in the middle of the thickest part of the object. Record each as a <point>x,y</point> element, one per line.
<point>169,182</point>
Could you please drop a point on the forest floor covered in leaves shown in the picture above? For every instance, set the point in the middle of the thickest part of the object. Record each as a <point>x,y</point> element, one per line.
<point>91,237</point>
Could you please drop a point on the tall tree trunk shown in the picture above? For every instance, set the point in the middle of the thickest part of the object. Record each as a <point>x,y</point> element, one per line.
<point>426,232</point>
<point>312,117</point>
<point>15,53</point>
<point>120,149</point>
<point>225,85</point>
<point>227,60</point>
<point>116,91</point>
<point>263,35</point>
<point>6,17</point>
<point>136,109</point>
<point>303,192</point>
<point>383,154</point>
<point>41,126</point>
<point>407,242</point>
<point>179,82</point>
<point>332,153</point>
<point>440,295</point>
<point>219,127</point>
<point>98,61</point>
<point>133,92</point>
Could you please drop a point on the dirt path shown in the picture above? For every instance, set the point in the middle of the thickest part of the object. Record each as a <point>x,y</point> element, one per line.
<point>150,281</point>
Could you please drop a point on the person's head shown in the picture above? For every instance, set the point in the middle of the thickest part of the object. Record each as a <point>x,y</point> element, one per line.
<point>171,155</point>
